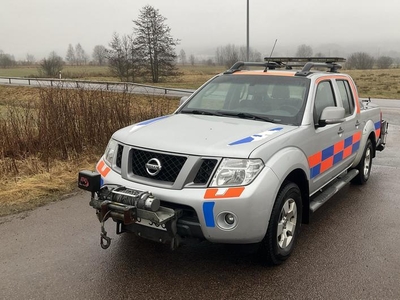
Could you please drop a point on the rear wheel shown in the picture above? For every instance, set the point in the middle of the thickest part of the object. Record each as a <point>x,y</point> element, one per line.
<point>284,225</point>
<point>365,164</point>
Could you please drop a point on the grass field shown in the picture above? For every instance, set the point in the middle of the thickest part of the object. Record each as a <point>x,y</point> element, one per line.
<point>371,83</point>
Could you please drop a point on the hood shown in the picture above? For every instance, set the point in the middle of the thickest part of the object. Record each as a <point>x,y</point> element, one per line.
<point>201,135</point>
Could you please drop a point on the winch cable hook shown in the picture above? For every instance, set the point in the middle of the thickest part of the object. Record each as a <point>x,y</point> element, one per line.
<point>105,241</point>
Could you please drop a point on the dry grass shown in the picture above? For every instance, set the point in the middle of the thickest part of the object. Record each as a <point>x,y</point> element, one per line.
<point>36,186</point>
<point>48,135</point>
<point>377,83</point>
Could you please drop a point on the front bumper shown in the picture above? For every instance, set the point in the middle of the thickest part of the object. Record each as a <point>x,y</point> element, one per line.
<point>196,212</point>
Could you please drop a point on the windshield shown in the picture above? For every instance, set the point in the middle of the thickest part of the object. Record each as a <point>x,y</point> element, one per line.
<point>278,99</point>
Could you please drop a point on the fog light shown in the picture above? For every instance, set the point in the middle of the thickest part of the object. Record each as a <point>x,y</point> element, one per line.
<point>229,218</point>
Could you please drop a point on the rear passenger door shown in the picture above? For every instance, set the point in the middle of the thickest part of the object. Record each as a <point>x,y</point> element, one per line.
<point>332,145</point>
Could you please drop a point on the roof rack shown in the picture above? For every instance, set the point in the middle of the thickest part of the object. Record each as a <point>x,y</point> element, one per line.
<point>266,65</point>
<point>306,63</point>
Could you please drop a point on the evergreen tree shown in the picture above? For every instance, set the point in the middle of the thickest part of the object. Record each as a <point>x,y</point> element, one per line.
<point>154,44</point>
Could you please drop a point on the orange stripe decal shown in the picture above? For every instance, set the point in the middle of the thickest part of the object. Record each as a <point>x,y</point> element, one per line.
<point>103,169</point>
<point>223,193</point>
<point>315,159</point>
<point>338,147</point>
<point>326,164</point>
<point>324,160</point>
<point>357,137</point>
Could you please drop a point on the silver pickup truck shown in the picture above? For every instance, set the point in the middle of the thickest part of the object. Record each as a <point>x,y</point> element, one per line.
<point>247,158</point>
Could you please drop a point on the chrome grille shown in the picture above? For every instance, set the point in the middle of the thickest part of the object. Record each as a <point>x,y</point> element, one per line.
<point>205,171</point>
<point>118,161</point>
<point>171,165</point>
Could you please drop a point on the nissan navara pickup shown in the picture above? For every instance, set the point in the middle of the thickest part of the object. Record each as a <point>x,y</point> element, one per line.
<point>247,158</point>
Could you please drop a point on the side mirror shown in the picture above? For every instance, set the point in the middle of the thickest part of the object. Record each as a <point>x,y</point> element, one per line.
<point>331,115</point>
<point>183,100</point>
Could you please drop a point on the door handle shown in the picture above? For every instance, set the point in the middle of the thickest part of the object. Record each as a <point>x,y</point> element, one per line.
<point>340,131</point>
<point>357,123</point>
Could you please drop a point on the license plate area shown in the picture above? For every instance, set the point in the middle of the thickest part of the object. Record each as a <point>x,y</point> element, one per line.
<point>148,223</point>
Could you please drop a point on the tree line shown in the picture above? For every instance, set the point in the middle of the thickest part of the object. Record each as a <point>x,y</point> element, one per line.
<point>149,53</point>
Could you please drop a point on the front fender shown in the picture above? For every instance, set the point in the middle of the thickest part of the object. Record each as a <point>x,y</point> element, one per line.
<point>287,160</point>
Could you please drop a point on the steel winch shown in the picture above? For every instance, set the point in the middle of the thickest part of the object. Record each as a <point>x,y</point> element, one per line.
<point>128,206</point>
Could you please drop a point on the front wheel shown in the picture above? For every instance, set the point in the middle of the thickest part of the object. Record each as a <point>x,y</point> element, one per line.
<point>365,164</point>
<point>284,225</point>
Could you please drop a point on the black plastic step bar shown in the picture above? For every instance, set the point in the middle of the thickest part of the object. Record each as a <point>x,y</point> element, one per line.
<point>331,190</point>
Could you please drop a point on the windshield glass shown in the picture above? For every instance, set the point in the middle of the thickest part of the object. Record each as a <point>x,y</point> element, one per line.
<point>279,99</point>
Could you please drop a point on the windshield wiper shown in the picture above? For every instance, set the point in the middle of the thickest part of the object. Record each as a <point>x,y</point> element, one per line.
<point>201,112</point>
<point>243,115</point>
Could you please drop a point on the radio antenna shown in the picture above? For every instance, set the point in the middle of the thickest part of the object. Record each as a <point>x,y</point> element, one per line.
<point>272,51</point>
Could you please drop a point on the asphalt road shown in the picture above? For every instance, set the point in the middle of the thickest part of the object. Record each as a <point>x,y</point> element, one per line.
<point>351,250</point>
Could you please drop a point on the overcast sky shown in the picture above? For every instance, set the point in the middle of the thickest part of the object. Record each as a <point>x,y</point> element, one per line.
<point>41,26</point>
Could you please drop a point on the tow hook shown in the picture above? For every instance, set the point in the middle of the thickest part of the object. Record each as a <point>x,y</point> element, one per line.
<point>105,241</point>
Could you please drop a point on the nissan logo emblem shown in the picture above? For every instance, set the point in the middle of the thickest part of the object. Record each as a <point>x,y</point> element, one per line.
<point>153,167</point>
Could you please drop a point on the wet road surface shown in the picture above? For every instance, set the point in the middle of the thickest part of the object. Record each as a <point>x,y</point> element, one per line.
<point>351,250</point>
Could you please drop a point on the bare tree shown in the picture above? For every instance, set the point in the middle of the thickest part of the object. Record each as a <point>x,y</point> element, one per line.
<point>230,54</point>
<point>192,59</point>
<point>182,57</point>
<point>30,59</point>
<point>121,57</point>
<point>51,66</point>
<point>360,60</point>
<point>254,55</point>
<point>99,55</point>
<point>384,62</point>
<point>304,51</point>
<point>154,44</point>
<point>227,55</point>
<point>80,54</point>
<point>70,57</point>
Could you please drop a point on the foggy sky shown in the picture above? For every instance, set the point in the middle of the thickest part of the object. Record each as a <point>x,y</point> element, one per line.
<point>41,26</point>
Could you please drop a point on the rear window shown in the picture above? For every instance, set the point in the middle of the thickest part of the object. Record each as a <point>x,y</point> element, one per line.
<point>347,96</point>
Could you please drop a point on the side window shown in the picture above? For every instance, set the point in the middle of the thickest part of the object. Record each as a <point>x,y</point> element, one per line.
<point>347,96</point>
<point>323,98</point>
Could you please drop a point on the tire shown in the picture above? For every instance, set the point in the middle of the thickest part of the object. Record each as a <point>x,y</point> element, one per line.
<point>365,164</point>
<point>283,227</point>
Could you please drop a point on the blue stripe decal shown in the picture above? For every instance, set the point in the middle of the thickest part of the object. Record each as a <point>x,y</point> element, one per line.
<point>315,170</point>
<point>242,141</point>
<point>101,181</point>
<point>257,136</point>
<point>328,152</point>
<point>208,211</point>
<point>147,122</point>
<point>377,125</point>
<point>355,147</point>
<point>338,157</point>
<point>348,142</point>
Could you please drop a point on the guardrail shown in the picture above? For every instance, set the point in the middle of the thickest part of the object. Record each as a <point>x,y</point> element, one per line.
<point>107,85</point>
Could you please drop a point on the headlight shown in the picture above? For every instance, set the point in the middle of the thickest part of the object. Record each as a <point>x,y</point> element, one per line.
<point>110,152</point>
<point>234,172</point>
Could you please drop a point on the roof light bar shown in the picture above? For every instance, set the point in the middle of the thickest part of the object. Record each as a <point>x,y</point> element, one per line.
<point>305,59</point>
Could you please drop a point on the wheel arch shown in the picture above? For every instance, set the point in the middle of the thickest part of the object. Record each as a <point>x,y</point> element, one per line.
<point>299,177</point>
<point>368,134</point>
<point>291,164</point>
